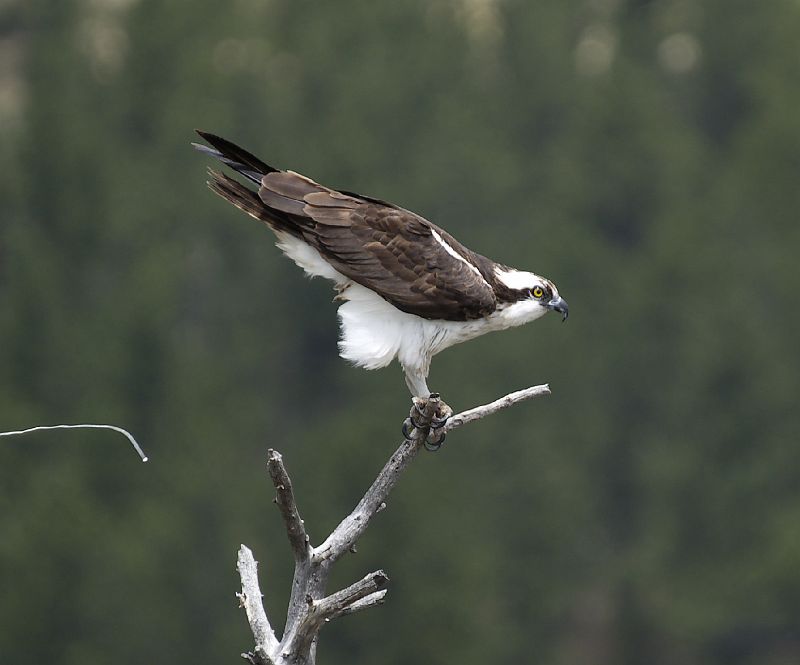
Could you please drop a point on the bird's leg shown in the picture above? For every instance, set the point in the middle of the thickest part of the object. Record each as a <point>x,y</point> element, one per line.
<point>418,385</point>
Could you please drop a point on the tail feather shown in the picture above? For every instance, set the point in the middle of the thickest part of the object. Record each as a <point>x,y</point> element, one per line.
<point>237,158</point>
<point>253,176</point>
<point>244,198</point>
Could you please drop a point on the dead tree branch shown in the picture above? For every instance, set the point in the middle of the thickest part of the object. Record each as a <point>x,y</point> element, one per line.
<point>493,407</point>
<point>351,527</point>
<point>250,600</point>
<point>295,527</point>
<point>366,602</point>
<point>309,606</point>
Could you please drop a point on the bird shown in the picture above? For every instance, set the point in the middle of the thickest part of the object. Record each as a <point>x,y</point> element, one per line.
<point>408,289</point>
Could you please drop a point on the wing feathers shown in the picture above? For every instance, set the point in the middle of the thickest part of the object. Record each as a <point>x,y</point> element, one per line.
<point>330,216</point>
<point>385,248</point>
<point>282,203</point>
<point>331,199</point>
<point>288,184</point>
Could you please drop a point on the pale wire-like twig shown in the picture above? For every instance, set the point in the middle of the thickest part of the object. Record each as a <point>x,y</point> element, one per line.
<point>121,430</point>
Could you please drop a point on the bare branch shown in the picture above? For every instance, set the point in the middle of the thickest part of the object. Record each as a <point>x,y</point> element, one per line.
<point>337,603</point>
<point>250,599</point>
<point>309,609</point>
<point>493,407</point>
<point>321,611</point>
<point>366,602</point>
<point>351,527</point>
<point>295,528</point>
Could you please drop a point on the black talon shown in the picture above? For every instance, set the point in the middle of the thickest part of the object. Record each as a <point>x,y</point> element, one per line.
<point>435,444</point>
<point>436,423</point>
<point>435,437</point>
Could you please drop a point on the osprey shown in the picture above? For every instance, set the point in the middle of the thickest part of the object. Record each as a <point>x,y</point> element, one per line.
<point>409,289</point>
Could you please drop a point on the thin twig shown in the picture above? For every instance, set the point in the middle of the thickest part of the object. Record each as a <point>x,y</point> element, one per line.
<point>121,430</point>
<point>493,407</point>
<point>250,599</point>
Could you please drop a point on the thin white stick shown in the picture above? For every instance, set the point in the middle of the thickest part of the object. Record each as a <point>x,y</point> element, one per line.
<point>493,407</point>
<point>129,436</point>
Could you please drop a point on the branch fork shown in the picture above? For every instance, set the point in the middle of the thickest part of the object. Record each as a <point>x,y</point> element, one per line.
<point>309,608</point>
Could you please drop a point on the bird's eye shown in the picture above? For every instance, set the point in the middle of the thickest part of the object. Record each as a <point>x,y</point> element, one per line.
<point>537,292</point>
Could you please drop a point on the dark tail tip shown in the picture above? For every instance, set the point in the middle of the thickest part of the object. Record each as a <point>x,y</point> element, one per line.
<point>205,135</point>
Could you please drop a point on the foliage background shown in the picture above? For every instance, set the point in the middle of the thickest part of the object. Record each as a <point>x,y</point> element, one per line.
<point>643,154</point>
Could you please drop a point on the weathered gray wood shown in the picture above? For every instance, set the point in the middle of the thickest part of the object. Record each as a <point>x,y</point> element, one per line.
<point>296,532</point>
<point>351,527</point>
<point>309,607</point>
<point>366,602</point>
<point>321,611</point>
<point>493,407</point>
<point>295,527</point>
<point>250,600</point>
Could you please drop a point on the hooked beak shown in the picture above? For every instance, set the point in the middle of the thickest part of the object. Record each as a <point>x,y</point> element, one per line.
<point>559,305</point>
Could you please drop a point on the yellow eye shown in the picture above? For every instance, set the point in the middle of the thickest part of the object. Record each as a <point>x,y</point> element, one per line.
<point>537,292</point>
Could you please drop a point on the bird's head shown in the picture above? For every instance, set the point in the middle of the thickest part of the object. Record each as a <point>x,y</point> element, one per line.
<point>534,294</point>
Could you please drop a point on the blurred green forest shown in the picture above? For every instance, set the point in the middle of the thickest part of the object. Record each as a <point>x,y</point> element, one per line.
<point>645,155</point>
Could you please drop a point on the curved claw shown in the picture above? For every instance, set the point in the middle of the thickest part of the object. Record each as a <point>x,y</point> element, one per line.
<point>408,428</point>
<point>435,440</point>
<point>436,423</point>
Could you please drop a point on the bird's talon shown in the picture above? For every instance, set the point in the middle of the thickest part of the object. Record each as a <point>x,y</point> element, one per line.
<point>442,415</point>
<point>437,423</point>
<point>435,432</point>
<point>435,440</point>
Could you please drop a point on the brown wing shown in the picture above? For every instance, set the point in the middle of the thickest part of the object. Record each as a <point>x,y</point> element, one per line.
<point>385,248</point>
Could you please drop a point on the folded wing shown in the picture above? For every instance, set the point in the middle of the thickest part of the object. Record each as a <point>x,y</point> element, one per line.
<point>404,258</point>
